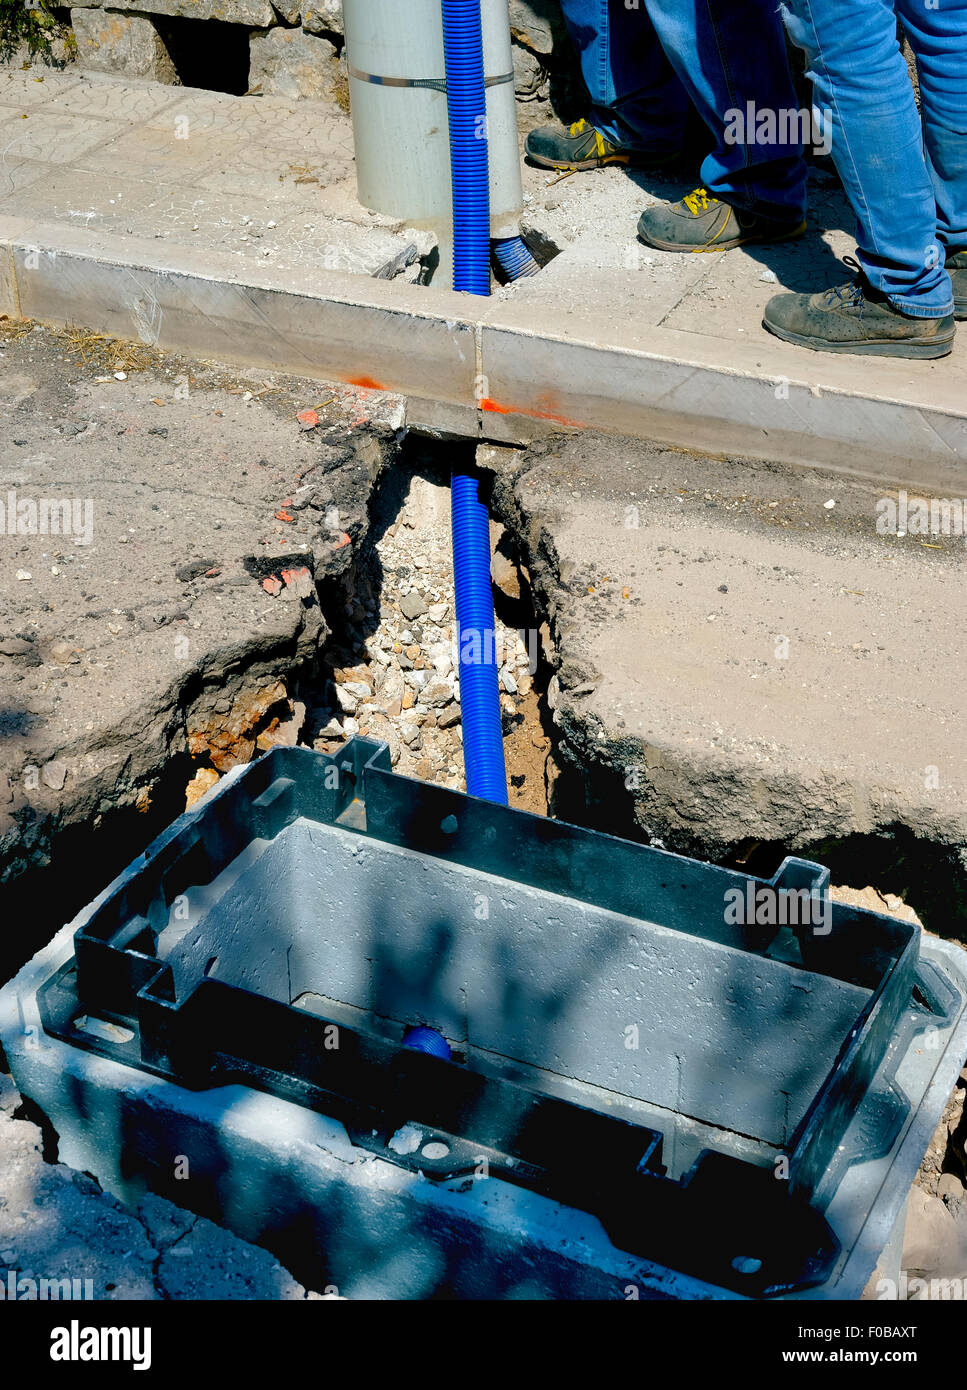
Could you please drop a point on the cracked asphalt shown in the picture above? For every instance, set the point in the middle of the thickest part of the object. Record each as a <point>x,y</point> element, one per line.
<point>145,499</point>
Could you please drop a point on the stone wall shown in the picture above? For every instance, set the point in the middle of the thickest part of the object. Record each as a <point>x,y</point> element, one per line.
<point>293,49</point>
<point>295,63</point>
<point>109,41</point>
<point>294,45</point>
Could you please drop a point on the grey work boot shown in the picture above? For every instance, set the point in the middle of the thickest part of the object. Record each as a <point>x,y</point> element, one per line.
<point>583,147</point>
<point>957,269</point>
<point>702,222</point>
<point>856,318</point>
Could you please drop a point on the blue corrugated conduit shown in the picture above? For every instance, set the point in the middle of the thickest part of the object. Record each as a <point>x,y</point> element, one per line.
<point>483,745</point>
<point>513,256</point>
<point>422,1039</point>
<point>469,165</point>
<point>483,742</point>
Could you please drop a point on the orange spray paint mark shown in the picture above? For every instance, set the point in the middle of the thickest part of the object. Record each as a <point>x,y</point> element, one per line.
<point>491,405</point>
<point>366,382</point>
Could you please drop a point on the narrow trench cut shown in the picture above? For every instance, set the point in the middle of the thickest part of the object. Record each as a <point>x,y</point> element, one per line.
<point>389,668</point>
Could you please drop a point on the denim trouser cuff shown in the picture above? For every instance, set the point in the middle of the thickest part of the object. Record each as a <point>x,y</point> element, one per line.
<point>921,311</point>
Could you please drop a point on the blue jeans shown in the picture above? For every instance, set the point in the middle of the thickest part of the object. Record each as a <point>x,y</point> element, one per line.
<point>636,99</point>
<point>643,59</point>
<point>906,178</point>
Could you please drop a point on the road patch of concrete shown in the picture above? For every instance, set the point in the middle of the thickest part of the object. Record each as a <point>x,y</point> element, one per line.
<point>742,657</point>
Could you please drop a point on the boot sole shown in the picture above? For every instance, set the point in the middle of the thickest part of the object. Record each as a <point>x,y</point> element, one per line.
<point>886,347</point>
<point>546,162</point>
<point>729,245</point>
<point>638,161</point>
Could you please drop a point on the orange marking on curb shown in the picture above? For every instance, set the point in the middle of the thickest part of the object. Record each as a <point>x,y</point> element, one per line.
<point>488,404</point>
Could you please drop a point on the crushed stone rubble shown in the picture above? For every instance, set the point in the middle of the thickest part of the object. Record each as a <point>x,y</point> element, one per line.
<point>400,684</point>
<point>390,669</point>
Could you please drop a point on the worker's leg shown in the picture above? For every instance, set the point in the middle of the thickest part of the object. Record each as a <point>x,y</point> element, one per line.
<point>862,88</point>
<point>727,56</point>
<point>900,303</point>
<point>639,108</point>
<point>938,37</point>
<point>636,99</point>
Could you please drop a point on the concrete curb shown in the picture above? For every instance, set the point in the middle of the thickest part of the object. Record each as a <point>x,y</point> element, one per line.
<point>505,370</point>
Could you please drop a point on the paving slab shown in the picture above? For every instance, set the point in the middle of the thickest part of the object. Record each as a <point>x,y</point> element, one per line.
<point>18,173</point>
<point>118,100</point>
<point>55,137</point>
<point>264,151</point>
<point>611,336</point>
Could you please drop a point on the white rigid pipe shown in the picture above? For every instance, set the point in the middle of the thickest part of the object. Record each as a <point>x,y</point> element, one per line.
<point>401,132</point>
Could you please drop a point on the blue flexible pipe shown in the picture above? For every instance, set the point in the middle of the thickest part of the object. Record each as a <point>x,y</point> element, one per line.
<point>483,745</point>
<point>469,164</point>
<point>483,741</point>
<point>422,1039</point>
<point>513,256</point>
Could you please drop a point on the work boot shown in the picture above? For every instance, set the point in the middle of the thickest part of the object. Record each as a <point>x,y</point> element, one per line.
<point>583,147</point>
<point>957,268</point>
<point>856,318</point>
<point>702,222</point>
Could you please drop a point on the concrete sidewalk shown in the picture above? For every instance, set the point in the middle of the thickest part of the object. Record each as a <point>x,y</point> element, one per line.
<point>266,180</point>
<point>228,227</point>
<point>57,1224</point>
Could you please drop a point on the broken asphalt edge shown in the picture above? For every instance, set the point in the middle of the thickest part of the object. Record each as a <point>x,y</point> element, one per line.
<point>501,370</point>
